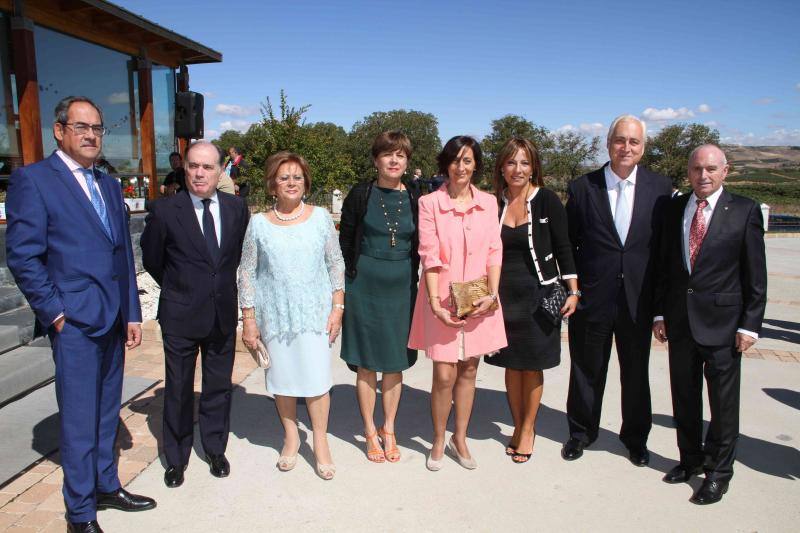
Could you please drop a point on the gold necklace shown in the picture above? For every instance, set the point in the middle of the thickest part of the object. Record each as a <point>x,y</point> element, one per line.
<point>392,225</point>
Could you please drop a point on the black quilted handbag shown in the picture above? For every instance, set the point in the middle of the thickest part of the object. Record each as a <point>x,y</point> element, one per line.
<point>553,302</point>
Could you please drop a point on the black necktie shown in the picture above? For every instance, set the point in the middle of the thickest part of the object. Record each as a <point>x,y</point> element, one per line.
<point>208,230</point>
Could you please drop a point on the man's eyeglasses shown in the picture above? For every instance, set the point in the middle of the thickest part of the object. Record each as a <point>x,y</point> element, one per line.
<point>81,128</point>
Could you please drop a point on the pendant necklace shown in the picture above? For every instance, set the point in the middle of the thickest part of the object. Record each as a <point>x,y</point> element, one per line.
<point>292,217</point>
<point>392,225</point>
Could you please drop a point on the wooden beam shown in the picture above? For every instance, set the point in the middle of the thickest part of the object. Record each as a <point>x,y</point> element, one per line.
<point>30,122</point>
<point>147,125</point>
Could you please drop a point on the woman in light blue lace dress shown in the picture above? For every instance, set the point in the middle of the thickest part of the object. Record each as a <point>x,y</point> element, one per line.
<point>291,281</point>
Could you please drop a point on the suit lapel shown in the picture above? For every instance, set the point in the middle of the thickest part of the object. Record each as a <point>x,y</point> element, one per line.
<point>188,219</point>
<point>641,193</point>
<point>63,174</point>
<point>719,219</point>
<point>676,225</point>
<point>599,195</point>
<point>227,224</point>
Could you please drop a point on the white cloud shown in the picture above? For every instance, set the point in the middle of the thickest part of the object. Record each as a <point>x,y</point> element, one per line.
<point>585,128</point>
<point>797,86</point>
<point>119,98</point>
<point>764,101</point>
<point>712,124</point>
<point>234,110</point>
<point>668,113</point>
<point>209,94</point>
<point>778,137</point>
<point>704,108</point>
<point>211,135</point>
<point>238,125</point>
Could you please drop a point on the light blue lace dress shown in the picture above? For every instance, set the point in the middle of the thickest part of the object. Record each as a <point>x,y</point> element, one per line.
<point>288,274</point>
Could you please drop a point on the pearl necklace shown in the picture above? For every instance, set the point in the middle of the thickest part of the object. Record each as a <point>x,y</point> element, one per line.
<point>292,217</point>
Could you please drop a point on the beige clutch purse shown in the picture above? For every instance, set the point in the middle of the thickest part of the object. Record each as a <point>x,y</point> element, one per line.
<point>462,294</point>
<point>260,355</point>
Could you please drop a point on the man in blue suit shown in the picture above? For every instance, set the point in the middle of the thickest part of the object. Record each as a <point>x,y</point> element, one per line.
<point>69,250</point>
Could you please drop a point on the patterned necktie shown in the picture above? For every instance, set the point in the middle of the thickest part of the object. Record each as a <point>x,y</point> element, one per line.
<point>697,231</point>
<point>622,213</point>
<point>209,231</point>
<point>97,201</point>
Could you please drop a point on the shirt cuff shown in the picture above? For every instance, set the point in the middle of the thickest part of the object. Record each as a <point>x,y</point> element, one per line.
<point>56,319</point>
<point>569,276</point>
<point>748,333</point>
<point>658,319</point>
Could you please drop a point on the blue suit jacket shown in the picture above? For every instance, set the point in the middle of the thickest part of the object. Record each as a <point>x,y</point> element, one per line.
<point>59,253</point>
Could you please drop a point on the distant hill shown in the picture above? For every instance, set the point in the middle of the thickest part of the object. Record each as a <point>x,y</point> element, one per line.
<point>763,157</point>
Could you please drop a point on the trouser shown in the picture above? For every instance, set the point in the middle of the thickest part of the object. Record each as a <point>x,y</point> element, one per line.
<point>89,372</point>
<point>590,351</point>
<point>721,365</point>
<point>217,353</point>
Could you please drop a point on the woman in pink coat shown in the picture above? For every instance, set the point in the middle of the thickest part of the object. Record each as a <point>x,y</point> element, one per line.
<point>459,240</point>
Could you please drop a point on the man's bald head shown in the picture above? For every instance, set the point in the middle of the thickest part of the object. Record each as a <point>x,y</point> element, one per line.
<point>708,168</point>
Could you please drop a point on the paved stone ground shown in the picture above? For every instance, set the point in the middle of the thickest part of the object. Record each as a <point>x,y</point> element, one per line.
<point>599,492</point>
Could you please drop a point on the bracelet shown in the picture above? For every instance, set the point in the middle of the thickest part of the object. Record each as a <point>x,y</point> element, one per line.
<point>433,298</point>
<point>248,318</point>
<point>249,315</point>
<point>339,306</point>
<point>575,293</point>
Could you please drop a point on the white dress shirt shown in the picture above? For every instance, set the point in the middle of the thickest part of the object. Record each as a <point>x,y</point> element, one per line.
<point>77,171</point>
<point>197,202</point>
<point>688,215</point>
<point>612,181</point>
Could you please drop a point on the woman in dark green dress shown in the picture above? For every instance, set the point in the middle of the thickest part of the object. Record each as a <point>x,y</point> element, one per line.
<point>378,237</point>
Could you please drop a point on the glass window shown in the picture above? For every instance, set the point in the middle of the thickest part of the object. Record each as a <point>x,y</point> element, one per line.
<point>10,156</point>
<point>164,117</point>
<point>69,66</point>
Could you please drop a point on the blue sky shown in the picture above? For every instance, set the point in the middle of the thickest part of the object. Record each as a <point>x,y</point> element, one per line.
<point>734,65</point>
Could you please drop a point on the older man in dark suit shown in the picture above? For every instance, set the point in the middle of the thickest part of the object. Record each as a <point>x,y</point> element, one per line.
<point>710,300</point>
<point>614,216</point>
<point>191,246</point>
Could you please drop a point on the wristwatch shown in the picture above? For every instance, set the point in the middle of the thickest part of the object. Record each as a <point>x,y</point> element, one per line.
<point>575,293</point>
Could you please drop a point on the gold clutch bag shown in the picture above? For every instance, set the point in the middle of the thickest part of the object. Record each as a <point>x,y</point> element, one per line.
<point>462,294</point>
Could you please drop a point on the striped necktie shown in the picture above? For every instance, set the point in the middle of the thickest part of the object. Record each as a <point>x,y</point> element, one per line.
<point>97,201</point>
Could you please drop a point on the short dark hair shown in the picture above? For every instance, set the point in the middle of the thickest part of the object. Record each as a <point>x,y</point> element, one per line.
<point>235,149</point>
<point>174,154</point>
<point>391,141</point>
<point>61,114</point>
<point>220,154</point>
<point>453,147</point>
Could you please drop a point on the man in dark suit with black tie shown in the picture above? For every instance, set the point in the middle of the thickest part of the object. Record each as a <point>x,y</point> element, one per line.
<point>710,299</point>
<point>191,245</point>
<point>613,215</point>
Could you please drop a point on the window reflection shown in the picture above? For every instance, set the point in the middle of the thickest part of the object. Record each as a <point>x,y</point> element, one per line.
<point>164,117</point>
<point>68,66</point>
<point>10,157</point>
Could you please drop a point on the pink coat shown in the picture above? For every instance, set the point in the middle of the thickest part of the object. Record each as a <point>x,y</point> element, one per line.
<point>464,243</point>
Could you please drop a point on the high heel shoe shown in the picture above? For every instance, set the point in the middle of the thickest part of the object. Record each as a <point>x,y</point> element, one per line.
<point>392,454</point>
<point>434,465</point>
<point>376,455</point>
<point>286,462</point>
<point>469,464</point>
<point>326,472</point>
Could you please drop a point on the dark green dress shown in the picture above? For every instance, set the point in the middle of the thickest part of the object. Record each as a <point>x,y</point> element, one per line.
<point>378,302</point>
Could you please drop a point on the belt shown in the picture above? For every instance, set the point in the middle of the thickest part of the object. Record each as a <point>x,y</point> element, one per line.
<point>389,255</point>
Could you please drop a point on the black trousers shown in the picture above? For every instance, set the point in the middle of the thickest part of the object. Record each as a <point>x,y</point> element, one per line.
<point>217,352</point>
<point>590,351</point>
<point>721,365</point>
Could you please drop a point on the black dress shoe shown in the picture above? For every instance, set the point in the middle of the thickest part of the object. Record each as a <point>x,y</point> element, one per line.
<point>682,474</point>
<point>122,500</point>
<point>173,476</point>
<point>639,456</point>
<point>710,491</point>
<point>84,527</point>
<point>572,449</point>
<point>220,467</point>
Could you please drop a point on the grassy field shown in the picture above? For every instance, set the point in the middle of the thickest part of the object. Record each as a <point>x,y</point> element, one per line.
<point>780,189</point>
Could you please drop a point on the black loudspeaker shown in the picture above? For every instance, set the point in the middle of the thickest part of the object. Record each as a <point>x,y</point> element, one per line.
<point>189,115</point>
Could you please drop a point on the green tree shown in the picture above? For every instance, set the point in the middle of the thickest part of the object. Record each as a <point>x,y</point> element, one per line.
<point>422,129</point>
<point>668,151</point>
<point>570,155</point>
<point>513,126</point>
<point>230,138</point>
